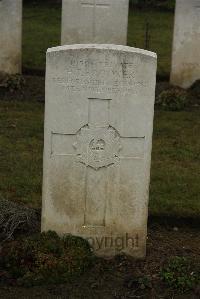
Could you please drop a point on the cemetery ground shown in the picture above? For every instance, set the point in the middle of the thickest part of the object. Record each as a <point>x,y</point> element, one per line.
<point>174,188</point>
<point>171,268</point>
<point>174,202</point>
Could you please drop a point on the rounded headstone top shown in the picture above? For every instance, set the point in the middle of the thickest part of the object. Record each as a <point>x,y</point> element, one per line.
<point>111,47</point>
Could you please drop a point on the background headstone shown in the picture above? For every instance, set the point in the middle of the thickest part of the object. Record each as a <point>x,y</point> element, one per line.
<point>186,54</point>
<point>94,21</point>
<point>10,36</point>
<point>98,138</point>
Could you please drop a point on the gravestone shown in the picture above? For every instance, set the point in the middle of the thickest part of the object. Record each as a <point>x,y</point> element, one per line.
<point>97,148</point>
<point>186,55</point>
<point>94,21</point>
<point>10,36</point>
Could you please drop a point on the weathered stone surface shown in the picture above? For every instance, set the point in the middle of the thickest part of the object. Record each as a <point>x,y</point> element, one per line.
<point>98,138</point>
<point>10,36</point>
<point>94,21</point>
<point>186,55</point>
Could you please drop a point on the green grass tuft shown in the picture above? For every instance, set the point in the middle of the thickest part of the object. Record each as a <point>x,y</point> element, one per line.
<point>181,273</point>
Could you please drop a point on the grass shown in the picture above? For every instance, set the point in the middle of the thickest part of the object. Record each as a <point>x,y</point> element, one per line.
<point>42,28</point>
<point>175,188</point>
<point>21,143</point>
<point>160,31</point>
<point>175,171</point>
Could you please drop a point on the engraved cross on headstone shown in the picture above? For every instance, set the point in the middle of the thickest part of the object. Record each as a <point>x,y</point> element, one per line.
<point>97,145</point>
<point>94,5</point>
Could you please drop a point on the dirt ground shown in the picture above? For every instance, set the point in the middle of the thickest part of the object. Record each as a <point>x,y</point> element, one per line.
<point>117,278</point>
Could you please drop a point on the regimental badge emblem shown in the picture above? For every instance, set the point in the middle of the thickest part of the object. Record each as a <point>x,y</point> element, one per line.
<point>97,147</point>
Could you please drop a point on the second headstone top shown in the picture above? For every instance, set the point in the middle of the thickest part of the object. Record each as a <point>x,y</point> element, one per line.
<point>94,21</point>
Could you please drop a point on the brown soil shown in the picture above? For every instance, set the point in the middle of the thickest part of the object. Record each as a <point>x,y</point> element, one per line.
<point>118,277</point>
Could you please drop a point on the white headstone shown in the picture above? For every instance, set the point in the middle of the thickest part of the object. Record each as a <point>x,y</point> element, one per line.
<point>10,36</point>
<point>98,138</point>
<point>186,54</point>
<point>94,21</point>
